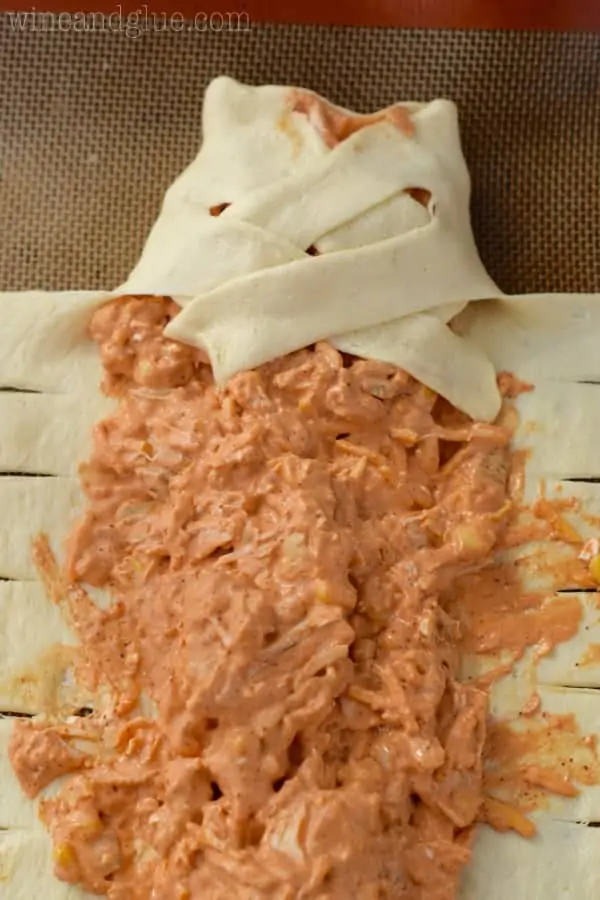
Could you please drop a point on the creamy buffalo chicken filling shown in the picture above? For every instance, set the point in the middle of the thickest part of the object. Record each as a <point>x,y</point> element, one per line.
<point>283,563</point>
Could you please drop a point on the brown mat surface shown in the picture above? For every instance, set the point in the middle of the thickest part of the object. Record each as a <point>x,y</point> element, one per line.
<point>94,126</point>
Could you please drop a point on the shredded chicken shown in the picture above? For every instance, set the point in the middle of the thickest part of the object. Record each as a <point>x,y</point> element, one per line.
<point>284,717</point>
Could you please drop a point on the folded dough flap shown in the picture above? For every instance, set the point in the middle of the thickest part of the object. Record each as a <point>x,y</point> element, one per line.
<point>48,434</point>
<point>547,336</point>
<point>44,344</point>
<point>251,138</point>
<point>36,653</point>
<point>269,313</point>
<point>365,170</point>
<point>447,363</point>
<point>272,165</point>
<point>562,861</point>
<point>199,252</point>
<point>26,869</point>
<point>399,214</point>
<point>270,162</point>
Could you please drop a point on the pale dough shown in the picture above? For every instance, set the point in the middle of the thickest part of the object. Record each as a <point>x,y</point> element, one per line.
<point>44,346</point>
<point>560,863</point>
<point>48,434</point>
<point>539,336</point>
<point>26,869</point>
<point>391,276</point>
<point>560,424</point>
<point>383,256</point>
<point>584,705</point>
<point>30,506</point>
<point>35,661</point>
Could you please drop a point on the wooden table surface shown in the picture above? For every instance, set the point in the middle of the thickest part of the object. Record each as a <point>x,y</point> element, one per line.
<point>558,15</point>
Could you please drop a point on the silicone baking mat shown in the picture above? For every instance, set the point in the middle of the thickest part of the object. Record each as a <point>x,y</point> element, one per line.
<point>95,125</point>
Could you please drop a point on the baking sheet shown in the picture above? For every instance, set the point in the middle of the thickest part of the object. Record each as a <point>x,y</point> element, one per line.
<point>95,125</point>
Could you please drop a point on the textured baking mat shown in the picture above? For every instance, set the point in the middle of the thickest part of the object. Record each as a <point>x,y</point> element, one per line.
<point>94,125</point>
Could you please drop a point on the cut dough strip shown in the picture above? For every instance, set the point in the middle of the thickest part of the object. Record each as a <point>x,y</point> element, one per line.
<point>561,863</point>
<point>559,425</point>
<point>44,346</point>
<point>30,506</point>
<point>576,663</point>
<point>570,664</point>
<point>584,706</point>
<point>46,434</point>
<point>585,519</point>
<point>26,869</point>
<point>36,656</point>
<point>251,138</point>
<point>539,336</point>
<point>542,565</point>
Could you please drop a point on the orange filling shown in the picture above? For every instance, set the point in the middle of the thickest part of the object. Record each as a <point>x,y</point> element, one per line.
<point>294,564</point>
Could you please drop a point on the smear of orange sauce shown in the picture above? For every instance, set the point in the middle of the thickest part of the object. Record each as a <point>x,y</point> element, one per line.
<point>335,126</point>
<point>591,656</point>
<point>550,756</point>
